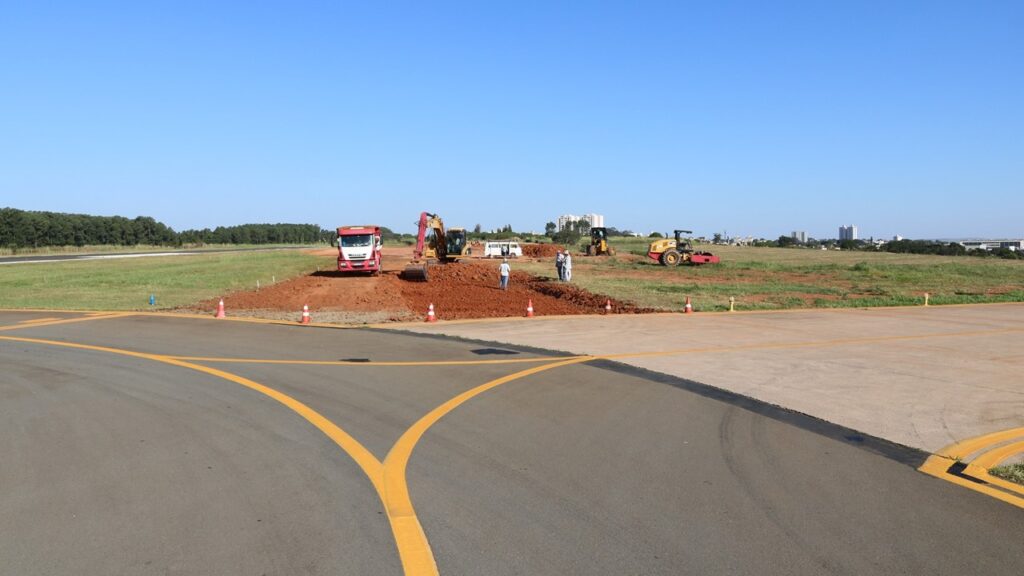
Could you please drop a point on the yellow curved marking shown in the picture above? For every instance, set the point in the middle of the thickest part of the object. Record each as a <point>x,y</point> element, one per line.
<point>375,363</point>
<point>388,478</point>
<point>54,322</point>
<point>397,489</point>
<point>964,448</point>
<point>938,465</point>
<point>988,460</point>
<point>992,458</point>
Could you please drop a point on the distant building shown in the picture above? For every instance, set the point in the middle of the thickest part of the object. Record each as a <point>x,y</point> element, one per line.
<point>897,238</point>
<point>848,232</point>
<point>800,236</point>
<point>993,244</point>
<point>595,220</point>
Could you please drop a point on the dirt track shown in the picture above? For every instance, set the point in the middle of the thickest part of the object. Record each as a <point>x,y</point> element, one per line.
<point>467,289</point>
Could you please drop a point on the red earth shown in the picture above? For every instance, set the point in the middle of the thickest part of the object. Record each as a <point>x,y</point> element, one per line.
<point>466,289</point>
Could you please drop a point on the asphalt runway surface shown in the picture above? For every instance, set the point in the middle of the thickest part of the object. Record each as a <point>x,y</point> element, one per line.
<point>138,444</point>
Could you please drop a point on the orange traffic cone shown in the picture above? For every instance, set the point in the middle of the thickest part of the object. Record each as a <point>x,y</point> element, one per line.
<point>430,313</point>
<point>529,308</point>
<point>220,310</point>
<point>688,309</point>
<point>608,307</point>
<point>305,314</point>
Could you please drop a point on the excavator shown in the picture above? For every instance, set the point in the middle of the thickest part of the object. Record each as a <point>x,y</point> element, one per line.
<point>672,252</point>
<point>440,246</point>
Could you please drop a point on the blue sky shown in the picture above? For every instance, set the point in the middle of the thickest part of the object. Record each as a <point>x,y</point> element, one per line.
<point>752,118</point>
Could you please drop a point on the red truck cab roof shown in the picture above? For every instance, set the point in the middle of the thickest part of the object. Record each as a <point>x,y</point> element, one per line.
<point>354,230</point>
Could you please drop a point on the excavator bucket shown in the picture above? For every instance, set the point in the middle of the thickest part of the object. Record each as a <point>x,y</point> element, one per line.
<point>415,273</point>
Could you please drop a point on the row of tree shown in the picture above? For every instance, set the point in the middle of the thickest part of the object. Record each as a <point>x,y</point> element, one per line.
<point>899,247</point>
<point>25,229</point>
<point>258,234</point>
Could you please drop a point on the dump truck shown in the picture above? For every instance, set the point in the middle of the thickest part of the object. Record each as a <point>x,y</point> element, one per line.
<point>679,250</point>
<point>359,249</point>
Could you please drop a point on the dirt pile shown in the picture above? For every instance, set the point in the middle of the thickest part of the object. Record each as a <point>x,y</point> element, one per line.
<point>470,290</point>
<point>541,250</point>
<point>462,290</point>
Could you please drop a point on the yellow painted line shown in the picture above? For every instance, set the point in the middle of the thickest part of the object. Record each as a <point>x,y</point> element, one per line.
<point>388,478</point>
<point>65,321</point>
<point>420,558</point>
<point>961,450</point>
<point>938,466</point>
<point>33,320</point>
<point>983,474</point>
<point>992,458</point>
<point>980,466</point>
<point>375,363</point>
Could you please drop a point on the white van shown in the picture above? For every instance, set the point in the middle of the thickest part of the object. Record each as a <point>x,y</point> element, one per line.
<point>502,249</point>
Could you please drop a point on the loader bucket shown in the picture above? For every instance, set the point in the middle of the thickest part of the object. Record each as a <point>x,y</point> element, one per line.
<point>415,273</point>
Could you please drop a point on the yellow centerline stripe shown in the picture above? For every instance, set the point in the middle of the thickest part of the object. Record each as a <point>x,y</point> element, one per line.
<point>388,478</point>
<point>34,320</point>
<point>419,559</point>
<point>375,363</point>
<point>65,321</point>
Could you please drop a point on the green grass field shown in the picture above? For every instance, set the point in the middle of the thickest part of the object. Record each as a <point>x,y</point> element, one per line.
<point>125,284</point>
<point>758,279</point>
<point>779,278</point>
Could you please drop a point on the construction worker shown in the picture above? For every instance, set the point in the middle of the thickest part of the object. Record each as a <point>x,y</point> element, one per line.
<point>567,267</point>
<point>504,271</point>
<point>559,262</point>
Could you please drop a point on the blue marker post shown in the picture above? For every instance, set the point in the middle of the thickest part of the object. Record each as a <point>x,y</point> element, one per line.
<point>152,299</point>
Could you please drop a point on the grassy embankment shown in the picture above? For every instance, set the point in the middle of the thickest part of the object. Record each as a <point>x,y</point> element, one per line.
<point>125,284</point>
<point>779,278</point>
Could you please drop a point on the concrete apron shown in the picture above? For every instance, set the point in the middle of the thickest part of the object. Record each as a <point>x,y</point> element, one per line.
<point>924,377</point>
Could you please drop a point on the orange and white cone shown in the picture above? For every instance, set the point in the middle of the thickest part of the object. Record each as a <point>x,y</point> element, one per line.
<point>220,310</point>
<point>430,313</point>
<point>608,307</point>
<point>305,314</point>
<point>688,309</point>
<point>529,308</point>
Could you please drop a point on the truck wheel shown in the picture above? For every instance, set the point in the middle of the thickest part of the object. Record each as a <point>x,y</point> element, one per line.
<point>670,258</point>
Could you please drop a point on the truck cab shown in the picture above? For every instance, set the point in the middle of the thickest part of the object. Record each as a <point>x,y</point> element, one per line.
<point>359,249</point>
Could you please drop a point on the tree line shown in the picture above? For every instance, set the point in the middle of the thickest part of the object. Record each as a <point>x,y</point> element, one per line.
<point>28,229</point>
<point>903,246</point>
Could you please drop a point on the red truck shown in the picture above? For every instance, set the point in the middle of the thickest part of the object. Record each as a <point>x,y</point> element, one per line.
<point>359,249</point>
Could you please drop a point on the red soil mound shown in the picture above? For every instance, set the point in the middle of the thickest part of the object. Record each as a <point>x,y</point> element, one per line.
<point>541,250</point>
<point>460,290</point>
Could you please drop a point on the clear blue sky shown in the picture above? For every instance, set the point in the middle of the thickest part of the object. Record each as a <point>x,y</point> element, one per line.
<point>755,118</point>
